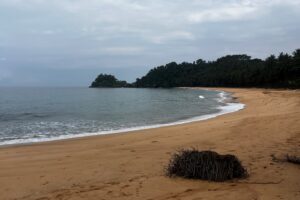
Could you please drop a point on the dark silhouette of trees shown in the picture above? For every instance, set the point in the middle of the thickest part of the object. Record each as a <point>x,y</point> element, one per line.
<point>228,71</point>
<point>106,80</point>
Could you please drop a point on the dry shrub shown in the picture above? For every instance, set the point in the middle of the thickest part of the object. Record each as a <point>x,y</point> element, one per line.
<point>205,165</point>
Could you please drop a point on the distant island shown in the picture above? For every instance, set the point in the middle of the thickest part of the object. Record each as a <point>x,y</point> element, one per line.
<point>108,81</point>
<point>282,71</point>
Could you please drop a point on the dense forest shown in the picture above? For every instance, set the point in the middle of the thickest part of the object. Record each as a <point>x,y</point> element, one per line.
<point>282,71</point>
<point>106,80</point>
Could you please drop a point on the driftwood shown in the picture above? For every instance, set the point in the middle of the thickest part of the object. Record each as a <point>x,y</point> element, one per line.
<point>287,158</point>
<point>293,159</point>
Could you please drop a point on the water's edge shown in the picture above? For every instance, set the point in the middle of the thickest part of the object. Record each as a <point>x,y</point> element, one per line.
<point>225,97</point>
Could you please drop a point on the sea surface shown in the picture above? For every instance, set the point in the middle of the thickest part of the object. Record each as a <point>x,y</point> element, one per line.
<point>42,114</point>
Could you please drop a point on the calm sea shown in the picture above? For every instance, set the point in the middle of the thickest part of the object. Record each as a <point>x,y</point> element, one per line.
<point>42,114</point>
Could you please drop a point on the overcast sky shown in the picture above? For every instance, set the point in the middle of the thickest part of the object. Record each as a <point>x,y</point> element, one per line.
<point>69,42</point>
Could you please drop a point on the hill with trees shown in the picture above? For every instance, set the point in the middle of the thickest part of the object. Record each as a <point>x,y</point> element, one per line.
<point>108,81</point>
<point>282,71</point>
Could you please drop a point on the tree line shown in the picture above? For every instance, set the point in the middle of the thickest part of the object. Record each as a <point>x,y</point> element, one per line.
<point>282,71</point>
<point>107,80</point>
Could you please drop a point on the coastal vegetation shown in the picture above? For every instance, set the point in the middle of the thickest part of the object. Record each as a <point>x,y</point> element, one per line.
<point>205,165</point>
<point>109,81</point>
<point>282,71</point>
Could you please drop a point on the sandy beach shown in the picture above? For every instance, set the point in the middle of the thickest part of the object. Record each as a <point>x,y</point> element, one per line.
<point>131,165</point>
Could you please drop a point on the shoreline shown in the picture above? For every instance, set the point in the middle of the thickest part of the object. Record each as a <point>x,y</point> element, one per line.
<point>131,166</point>
<point>225,97</point>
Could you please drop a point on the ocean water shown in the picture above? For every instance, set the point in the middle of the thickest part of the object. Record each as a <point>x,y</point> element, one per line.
<point>42,114</point>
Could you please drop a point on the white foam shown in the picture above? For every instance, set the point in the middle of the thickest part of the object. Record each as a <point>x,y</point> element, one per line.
<point>223,97</point>
<point>201,97</point>
<point>227,108</point>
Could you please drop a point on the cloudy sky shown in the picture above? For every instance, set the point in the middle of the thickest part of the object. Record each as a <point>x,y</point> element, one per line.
<point>69,42</point>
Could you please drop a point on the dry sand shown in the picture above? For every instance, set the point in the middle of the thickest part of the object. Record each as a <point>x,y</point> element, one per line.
<point>131,166</point>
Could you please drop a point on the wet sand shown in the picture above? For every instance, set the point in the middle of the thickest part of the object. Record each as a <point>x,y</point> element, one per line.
<point>131,165</point>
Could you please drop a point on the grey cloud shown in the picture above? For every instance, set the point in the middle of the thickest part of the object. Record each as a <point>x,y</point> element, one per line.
<point>70,42</point>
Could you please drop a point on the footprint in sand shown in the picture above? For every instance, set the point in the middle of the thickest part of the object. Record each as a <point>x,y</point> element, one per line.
<point>46,183</point>
<point>43,198</point>
<point>109,192</point>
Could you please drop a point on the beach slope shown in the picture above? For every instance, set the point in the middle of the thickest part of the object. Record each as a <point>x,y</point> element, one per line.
<point>131,166</point>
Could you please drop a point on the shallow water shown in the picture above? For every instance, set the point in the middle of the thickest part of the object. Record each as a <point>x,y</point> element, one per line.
<point>42,114</point>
